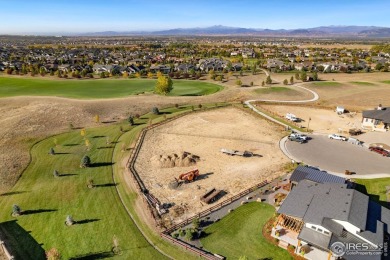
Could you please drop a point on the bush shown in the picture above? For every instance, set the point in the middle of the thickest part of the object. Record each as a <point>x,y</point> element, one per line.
<point>268,81</point>
<point>239,83</point>
<point>131,120</point>
<point>69,220</point>
<point>176,105</point>
<point>251,83</point>
<point>155,111</point>
<point>51,151</point>
<point>16,211</point>
<point>55,173</point>
<point>189,234</point>
<point>200,106</point>
<point>86,161</point>
<point>53,254</point>
<point>181,232</point>
<point>196,223</point>
<point>175,235</point>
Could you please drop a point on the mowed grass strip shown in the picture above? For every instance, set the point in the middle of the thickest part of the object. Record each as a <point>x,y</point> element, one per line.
<point>362,83</point>
<point>240,234</point>
<point>386,81</point>
<point>98,211</point>
<point>327,84</point>
<point>275,90</point>
<point>98,88</point>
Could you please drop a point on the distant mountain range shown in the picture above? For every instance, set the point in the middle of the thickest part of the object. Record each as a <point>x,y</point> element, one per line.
<point>220,30</point>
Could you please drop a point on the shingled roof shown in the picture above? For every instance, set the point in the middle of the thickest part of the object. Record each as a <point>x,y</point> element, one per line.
<point>383,115</point>
<point>311,174</point>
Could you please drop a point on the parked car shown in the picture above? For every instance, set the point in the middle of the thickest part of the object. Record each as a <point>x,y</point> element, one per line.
<point>304,137</point>
<point>355,131</point>
<point>380,151</point>
<point>296,139</point>
<point>292,117</point>
<point>337,137</point>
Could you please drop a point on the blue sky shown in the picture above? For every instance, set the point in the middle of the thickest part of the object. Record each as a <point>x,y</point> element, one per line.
<point>65,16</point>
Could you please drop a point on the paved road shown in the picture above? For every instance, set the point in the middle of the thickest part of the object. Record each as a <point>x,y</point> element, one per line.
<point>337,156</point>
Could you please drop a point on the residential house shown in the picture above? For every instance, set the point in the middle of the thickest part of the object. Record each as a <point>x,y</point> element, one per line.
<point>314,216</point>
<point>377,119</point>
<point>99,68</point>
<point>185,67</point>
<point>162,68</point>
<point>314,175</point>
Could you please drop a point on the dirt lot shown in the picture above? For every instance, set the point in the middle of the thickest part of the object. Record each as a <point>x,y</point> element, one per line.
<point>322,120</point>
<point>204,134</point>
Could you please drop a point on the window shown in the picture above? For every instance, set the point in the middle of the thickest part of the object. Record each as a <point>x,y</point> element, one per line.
<point>319,230</point>
<point>313,227</point>
<point>326,232</point>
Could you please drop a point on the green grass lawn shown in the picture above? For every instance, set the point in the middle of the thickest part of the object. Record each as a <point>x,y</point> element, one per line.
<point>327,84</point>
<point>240,234</point>
<point>362,83</point>
<point>99,211</point>
<point>386,81</point>
<point>276,89</point>
<point>97,88</point>
<point>376,188</point>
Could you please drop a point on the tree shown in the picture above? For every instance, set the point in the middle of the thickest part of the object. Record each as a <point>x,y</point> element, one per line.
<point>196,223</point>
<point>16,211</point>
<point>125,75</point>
<point>69,220</point>
<point>85,161</point>
<point>254,69</point>
<point>218,78</point>
<point>378,66</point>
<point>315,76</point>
<point>53,254</point>
<point>297,76</point>
<point>303,75</point>
<point>229,74</point>
<point>155,111</point>
<point>285,82</point>
<point>164,85</point>
<point>189,234</point>
<point>56,174</point>
<point>90,183</point>
<point>211,74</point>
<point>150,75</point>
<point>263,83</point>
<point>239,83</point>
<point>97,118</point>
<point>131,120</point>
<point>137,75</point>
<point>268,80</point>
<point>51,151</point>
<point>200,106</point>
<point>83,132</point>
<point>292,80</point>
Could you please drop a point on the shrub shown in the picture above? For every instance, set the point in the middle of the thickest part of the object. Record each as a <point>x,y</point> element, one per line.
<point>86,161</point>
<point>51,151</point>
<point>69,220</point>
<point>56,174</point>
<point>196,223</point>
<point>200,106</point>
<point>175,235</point>
<point>285,82</point>
<point>239,83</point>
<point>90,183</point>
<point>131,120</point>
<point>155,111</point>
<point>268,81</point>
<point>189,234</point>
<point>263,83</point>
<point>53,254</point>
<point>16,211</point>
<point>181,232</point>
<point>251,83</point>
<point>176,105</point>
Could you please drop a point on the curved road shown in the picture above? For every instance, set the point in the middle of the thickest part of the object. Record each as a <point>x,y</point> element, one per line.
<point>248,102</point>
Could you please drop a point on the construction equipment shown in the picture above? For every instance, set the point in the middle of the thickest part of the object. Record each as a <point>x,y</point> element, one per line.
<point>235,152</point>
<point>210,196</point>
<point>189,176</point>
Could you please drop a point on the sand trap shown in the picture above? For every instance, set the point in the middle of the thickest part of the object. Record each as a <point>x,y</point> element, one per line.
<point>204,134</point>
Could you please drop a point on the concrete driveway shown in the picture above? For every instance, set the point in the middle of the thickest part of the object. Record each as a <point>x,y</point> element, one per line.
<point>337,156</point>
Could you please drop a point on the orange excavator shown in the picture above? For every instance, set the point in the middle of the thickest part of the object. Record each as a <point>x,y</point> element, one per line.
<point>189,176</point>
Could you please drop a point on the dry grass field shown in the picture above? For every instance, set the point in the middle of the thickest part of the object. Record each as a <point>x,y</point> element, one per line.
<point>204,134</point>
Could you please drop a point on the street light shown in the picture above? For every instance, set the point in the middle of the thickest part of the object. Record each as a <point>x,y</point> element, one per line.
<point>308,123</point>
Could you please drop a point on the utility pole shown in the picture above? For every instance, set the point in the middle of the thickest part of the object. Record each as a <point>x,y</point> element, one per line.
<point>308,124</point>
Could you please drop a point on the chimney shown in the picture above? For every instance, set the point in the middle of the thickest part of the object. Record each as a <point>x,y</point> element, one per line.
<point>380,107</point>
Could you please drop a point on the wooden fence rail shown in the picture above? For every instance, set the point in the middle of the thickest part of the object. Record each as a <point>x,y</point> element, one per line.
<point>4,249</point>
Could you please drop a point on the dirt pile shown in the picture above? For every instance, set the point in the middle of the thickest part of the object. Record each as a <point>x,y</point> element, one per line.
<point>184,159</point>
